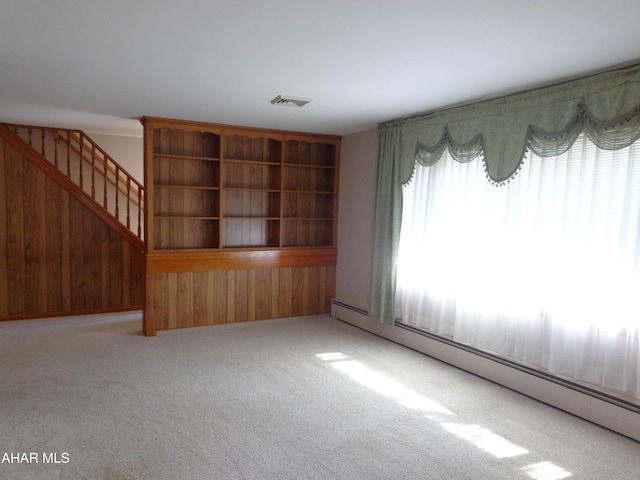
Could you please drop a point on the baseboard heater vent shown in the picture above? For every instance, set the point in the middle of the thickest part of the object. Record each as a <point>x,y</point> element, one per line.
<point>335,304</point>
<point>357,315</point>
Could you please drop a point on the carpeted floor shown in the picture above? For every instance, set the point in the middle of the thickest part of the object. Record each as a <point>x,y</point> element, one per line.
<point>308,398</point>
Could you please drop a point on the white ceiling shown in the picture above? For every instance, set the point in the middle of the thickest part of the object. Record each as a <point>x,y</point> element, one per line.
<point>100,65</point>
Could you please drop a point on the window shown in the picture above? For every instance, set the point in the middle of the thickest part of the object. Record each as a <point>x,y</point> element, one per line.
<point>544,270</point>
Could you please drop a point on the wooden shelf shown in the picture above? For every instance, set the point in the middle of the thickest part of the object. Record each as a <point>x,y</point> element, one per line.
<point>310,192</point>
<point>248,217</point>
<point>325,219</point>
<point>186,217</point>
<point>305,165</point>
<point>238,185</point>
<point>252,162</point>
<point>187,187</point>
<point>236,189</point>
<point>170,156</point>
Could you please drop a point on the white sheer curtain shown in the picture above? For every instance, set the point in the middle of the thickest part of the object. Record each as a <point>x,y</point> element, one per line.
<point>544,270</point>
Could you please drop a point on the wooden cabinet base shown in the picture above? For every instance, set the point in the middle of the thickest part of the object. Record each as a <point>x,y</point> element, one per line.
<point>181,299</point>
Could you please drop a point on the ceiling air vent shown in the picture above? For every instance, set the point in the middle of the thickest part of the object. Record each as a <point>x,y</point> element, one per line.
<point>283,101</point>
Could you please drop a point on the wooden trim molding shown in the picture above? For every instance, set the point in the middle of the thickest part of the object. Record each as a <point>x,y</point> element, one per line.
<point>240,260</point>
<point>73,313</point>
<point>222,129</point>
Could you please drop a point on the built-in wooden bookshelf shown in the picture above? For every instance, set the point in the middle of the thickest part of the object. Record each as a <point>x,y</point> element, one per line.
<point>252,184</point>
<point>183,170</point>
<point>309,193</point>
<point>213,190</point>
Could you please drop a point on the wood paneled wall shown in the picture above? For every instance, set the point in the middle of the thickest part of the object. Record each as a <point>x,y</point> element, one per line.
<point>57,256</point>
<point>191,299</point>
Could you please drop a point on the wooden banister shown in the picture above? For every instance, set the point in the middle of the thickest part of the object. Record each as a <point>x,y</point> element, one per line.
<point>136,185</point>
<point>82,153</point>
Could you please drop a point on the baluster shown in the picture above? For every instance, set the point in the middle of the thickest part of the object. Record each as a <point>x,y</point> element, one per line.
<point>68,141</point>
<point>93,171</point>
<point>30,136</point>
<point>42,142</point>
<point>81,145</point>
<point>55,149</point>
<point>106,175</point>
<point>128,202</point>
<point>117,202</point>
<point>139,211</point>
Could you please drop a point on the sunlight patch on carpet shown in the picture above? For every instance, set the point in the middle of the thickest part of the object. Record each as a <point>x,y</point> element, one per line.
<point>546,471</point>
<point>485,440</point>
<point>479,436</point>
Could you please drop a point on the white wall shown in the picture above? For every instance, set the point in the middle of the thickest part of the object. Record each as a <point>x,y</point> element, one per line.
<point>127,151</point>
<point>355,234</point>
<point>358,154</point>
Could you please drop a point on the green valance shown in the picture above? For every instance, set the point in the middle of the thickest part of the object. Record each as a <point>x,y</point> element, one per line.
<point>545,121</point>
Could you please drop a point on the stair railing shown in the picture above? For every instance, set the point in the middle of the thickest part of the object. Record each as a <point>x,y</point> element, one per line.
<point>89,167</point>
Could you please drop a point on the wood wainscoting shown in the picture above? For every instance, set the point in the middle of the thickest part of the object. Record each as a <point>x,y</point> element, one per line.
<point>57,257</point>
<point>199,289</point>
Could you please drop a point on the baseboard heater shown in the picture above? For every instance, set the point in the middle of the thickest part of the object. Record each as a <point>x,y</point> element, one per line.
<point>359,317</point>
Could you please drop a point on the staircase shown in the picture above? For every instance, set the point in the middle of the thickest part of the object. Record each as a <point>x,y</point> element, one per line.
<point>96,178</point>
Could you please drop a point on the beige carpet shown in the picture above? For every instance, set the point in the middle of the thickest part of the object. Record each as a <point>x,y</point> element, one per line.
<point>308,398</point>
